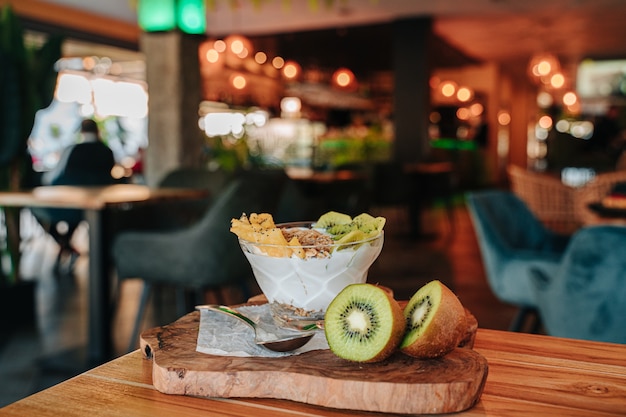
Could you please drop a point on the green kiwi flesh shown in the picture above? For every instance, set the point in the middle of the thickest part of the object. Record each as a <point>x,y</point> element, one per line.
<point>338,230</point>
<point>435,320</point>
<point>332,218</point>
<point>338,225</point>
<point>364,323</point>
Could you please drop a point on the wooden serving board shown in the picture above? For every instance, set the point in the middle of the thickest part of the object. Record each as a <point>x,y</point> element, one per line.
<point>400,384</point>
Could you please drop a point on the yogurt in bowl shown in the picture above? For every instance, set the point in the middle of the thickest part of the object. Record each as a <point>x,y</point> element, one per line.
<point>300,284</point>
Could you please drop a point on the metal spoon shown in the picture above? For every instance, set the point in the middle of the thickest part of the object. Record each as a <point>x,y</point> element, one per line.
<point>281,344</point>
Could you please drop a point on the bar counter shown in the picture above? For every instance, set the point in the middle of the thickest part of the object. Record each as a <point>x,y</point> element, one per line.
<point>529,375</point>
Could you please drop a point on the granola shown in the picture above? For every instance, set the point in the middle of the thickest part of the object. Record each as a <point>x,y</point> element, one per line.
<point>317,244</point>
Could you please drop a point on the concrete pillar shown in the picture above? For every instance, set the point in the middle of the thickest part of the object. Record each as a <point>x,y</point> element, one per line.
<point>174,87</point>
<point>411,97</point>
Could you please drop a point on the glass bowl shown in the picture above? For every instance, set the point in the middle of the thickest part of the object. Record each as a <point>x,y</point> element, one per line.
<point>300,289</point>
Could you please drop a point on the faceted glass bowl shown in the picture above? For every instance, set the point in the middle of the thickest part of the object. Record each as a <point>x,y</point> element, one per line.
<point>299,290</point>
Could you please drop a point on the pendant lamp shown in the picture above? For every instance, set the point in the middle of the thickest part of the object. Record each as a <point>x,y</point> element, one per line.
<point>164,15</point>
<point>191,16</point>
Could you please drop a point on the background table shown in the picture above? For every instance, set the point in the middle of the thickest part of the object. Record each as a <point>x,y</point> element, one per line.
<point>529,375</point>
<point>606,215</point>
<point>430,181</point>
<point>97,202</point>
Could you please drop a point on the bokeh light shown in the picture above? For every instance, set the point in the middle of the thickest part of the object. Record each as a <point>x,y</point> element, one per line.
<point>448,88</point>
<point>504,118</point>
<point>238,81</point>
<point>569,98</point>
<point>212,56</point>
<point>278,62</point>
<point>545,122</point>
<point>260,58</point>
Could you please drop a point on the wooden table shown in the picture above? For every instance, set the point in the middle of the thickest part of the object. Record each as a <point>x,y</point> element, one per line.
<point>97,203</point>
<point>529,375</point>
<point>605,215</point>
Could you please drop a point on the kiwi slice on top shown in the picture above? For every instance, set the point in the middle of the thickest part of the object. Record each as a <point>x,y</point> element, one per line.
<point>332,218</point>
<point>435,320</point>
<point>339,230</point>
<point>364,323</point>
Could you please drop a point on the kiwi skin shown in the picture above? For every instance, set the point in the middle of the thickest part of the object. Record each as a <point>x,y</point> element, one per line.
<point>443,330</point>
<point>393,329</point>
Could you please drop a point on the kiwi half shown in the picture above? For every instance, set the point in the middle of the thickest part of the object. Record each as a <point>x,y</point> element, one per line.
<point>435,322</point>
<point>364,323</point>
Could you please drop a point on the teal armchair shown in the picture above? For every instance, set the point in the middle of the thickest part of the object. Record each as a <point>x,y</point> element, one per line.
<point>586,297</point>
<point>514,246</point>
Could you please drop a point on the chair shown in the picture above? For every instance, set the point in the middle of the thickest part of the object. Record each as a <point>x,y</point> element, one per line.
<point>180,215</point>
<point>562,208</point>
<point>204,256</point>
<point>547,197</point>
<point>586,297</point>
<point>513,245</point>
<point>170,215</point>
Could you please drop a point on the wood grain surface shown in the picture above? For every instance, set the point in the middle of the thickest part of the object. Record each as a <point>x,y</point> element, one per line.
<point>529,375</point>
<point>400,384</point>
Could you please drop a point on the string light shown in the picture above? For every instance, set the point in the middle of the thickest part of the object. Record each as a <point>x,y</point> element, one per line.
<point>569,98</point>
<point>343,78</point>
<point>557,80</point>
<point>241,47</point>
<point>291,70</point>
<point>464,94</point>
<point>238,81</point>
<point>448,88</point>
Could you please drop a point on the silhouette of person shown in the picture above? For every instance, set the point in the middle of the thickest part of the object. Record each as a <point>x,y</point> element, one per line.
<point>88,162</point>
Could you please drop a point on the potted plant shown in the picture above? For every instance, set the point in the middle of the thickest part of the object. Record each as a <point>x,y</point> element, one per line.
<point>27,82</point>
